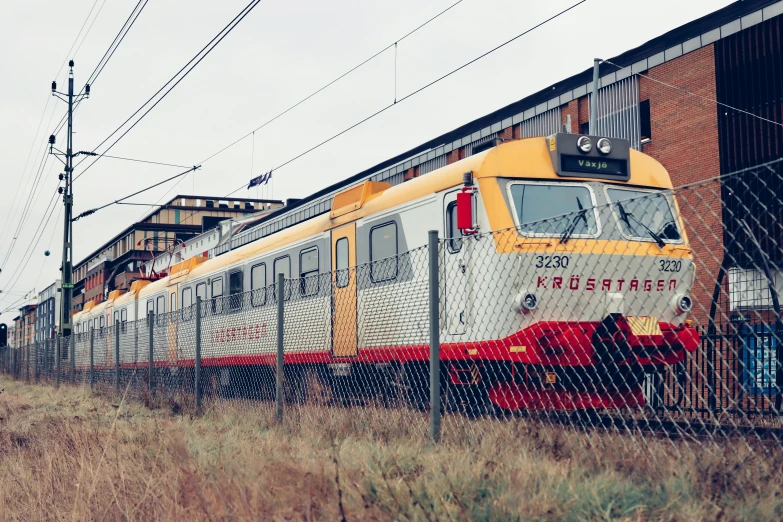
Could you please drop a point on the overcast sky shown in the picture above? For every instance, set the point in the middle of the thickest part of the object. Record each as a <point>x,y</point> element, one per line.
<point>281,52</point>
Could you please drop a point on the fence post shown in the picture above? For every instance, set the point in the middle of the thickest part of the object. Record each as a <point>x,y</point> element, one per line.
<point>197,362</point>
<point>150,361</point>
<point>280,326</point>
<point>117,366</point>
<point>27,365</point>
<point>57,363</point>
<point>35,361</point>
<point>435,413</point>
<point>72,356</point>
<point>92,358</point>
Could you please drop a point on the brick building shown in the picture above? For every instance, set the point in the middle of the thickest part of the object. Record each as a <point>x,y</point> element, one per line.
<point>119,261</point>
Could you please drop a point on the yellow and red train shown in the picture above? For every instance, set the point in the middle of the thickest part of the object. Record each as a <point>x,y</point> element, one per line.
<point>565,278</point>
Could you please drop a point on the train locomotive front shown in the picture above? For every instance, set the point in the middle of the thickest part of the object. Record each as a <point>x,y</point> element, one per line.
<point>585,294</point>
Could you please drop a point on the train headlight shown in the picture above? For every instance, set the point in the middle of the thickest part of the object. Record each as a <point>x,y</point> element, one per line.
<point>526,302</point>
<point>604,146</point>
<point>584,144</point>
<point>682,304</point>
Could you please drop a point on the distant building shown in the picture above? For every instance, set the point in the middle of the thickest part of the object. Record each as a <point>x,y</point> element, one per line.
<point>25,325</point>
<point>48,312</point>
<point>120,260</point>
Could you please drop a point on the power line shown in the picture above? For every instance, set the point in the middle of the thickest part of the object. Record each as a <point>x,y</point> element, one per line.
<point>48,99</point>
<point>352,69</point>
<point>119,201</point>
<point>420,89</point>
<point>135,160</point>
<point>324,87</point>
<point>707,98</point>
<point>203,53</point>
<point>96,72</point>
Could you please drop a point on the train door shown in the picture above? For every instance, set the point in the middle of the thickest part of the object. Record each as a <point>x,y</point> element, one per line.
<point>172,324</point>
<point>344,288</point>
<point>455,270</point>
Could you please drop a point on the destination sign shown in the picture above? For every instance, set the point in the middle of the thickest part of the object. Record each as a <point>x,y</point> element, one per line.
<point>595,166</point>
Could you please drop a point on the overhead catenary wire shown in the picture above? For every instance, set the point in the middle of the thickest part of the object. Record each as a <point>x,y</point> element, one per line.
<point>327,85</point>
<point>43,114</point>
<point>119,201</point>
<point>178,76</point>
<point>420,89</point>
<point>93,76</point>
<point>697,95</point>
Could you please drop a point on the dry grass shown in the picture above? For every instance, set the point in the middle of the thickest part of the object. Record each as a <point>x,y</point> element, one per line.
<point>70,455</point>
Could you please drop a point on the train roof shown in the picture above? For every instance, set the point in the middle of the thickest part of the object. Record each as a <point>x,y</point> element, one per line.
<point>524,159</point>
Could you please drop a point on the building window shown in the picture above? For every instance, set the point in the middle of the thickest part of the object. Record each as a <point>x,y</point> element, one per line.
<point>584,128</point>
<point>383,252</point>
<point>258,284</point>
<point>308,271</point>
<point>644,121</point>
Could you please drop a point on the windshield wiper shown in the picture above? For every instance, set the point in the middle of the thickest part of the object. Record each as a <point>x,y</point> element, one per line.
<point>627,217</point>
<point>574,220</point>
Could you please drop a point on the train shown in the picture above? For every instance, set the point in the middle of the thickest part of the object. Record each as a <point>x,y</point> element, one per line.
<point>559,289</point>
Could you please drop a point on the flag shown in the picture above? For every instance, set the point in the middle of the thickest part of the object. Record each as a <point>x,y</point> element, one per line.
<point>258,180</point>
<point>262,179</point>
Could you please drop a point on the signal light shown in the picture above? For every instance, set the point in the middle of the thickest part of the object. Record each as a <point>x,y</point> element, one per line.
<point>54,87</point>
<point>52,139</point>
<point>61,176</point>
<point>60,190</point>
<point>87,90</point>
<point>3,335</point>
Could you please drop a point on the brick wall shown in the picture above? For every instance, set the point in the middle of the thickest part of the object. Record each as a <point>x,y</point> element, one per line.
<point>685,141</point>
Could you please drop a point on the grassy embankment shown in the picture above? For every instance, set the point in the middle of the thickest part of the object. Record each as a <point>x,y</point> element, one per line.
<point>70,455</point>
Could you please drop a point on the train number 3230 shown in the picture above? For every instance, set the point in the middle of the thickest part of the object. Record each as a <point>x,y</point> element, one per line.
<point>552,261</point>
<point>669,265</point>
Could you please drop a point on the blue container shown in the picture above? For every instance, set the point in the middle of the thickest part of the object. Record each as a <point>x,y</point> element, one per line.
<point>759,358</point>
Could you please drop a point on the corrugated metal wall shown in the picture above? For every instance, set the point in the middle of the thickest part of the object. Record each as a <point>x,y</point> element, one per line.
<point>543,124</point>
<point>618,111</point>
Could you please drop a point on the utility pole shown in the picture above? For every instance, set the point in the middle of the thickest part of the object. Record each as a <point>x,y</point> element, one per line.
<point>67,191</point>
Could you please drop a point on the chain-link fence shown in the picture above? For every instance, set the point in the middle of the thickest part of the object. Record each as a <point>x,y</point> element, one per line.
<point>630,313</point>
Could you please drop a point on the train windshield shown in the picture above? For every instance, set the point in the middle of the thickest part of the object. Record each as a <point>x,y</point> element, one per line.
<point>551,209</point>
<point>644,215</point>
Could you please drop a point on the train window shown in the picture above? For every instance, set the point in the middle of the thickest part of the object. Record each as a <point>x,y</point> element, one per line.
<point>341,262</point>
<point>217,295</point>
<point>102,320</point>
<point>160,309</point>
<point>636,211</point>
<point>201,291</point>
<point>258,284</point>
<point>124,317</point>
<point>282,265</point>
<point>89,324</point>
<point>383,252</point>
<point>308,271</point>
<point>235,288</point>
<point>453,233</point>
<point>187,303</point>
<point>550,209</point>
<point>173,308</point>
